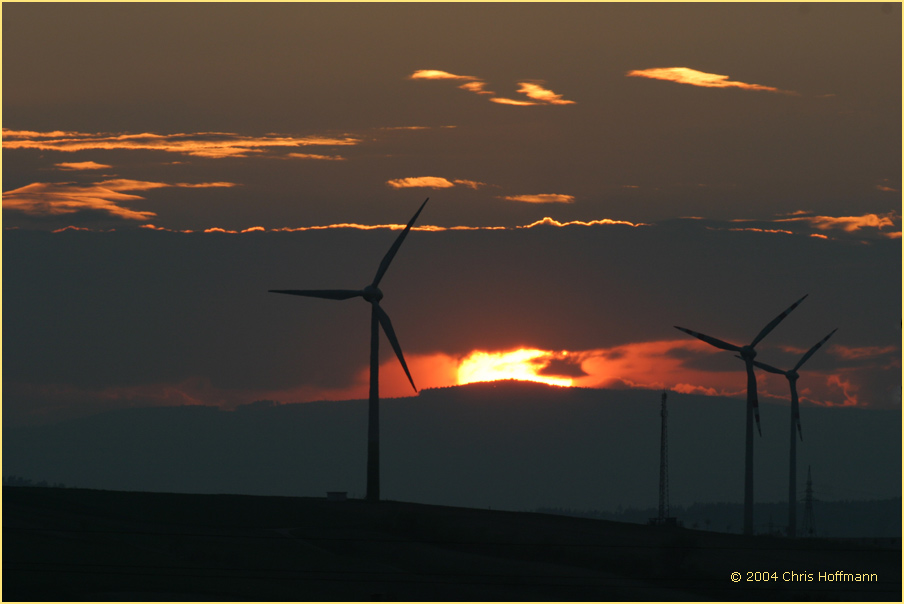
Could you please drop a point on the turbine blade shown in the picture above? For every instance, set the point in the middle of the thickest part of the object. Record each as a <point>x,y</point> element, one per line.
<point>331,294</point>
<point>810,352</point>
<point>710,340</point>
<point>768,368</point>
<point>395,246</point>
<point>393,340</point>
<point>775,322</point>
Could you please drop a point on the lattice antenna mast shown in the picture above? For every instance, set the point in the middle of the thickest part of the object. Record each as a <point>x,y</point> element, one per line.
<point>664,465</point>
<point>809,528</point>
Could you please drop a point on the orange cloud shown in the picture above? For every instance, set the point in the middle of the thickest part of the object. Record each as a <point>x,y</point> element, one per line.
<point>472,184</point>
<point>541,198</point>
<point>755,230</point>
<point>361,227</point>
<point>658,365</point>
<point>538,93</point>
<point>56,199</point>
<point>517,103</point>
<point>476,88</point>
<point>436,74</point>
<point>852,224</point>
<point>685,75</point>
<point>315,156</point>
<point>432,182</point>
<point>547,221</point>
<point>847,387</point>
<point>863,352</point>
<point>397,227</point>
<point>82,165</point>
<point>531,89</point>
<point>200,144</point>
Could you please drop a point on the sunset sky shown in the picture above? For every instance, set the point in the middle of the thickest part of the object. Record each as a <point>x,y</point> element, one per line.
<point>597,174</point>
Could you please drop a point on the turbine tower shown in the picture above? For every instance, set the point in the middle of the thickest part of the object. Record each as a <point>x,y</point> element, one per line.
<point>664,467</point>
<point>753,411</point>
<point>792,376</point>
<point>378,318</point>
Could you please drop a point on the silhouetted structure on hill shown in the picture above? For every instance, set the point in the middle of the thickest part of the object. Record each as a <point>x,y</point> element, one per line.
<point>663,519</point>
<point>378,318</point>
<point>747,353</point>
<point>792,376</point>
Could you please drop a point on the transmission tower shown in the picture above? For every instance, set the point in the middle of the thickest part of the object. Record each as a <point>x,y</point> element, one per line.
<point>809,529</point>
<point>664,465</point>
<point>664,519</point>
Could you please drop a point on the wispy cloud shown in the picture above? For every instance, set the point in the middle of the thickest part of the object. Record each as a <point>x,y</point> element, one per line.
<point>476,88</point>
<point>686,75</point>
<point>430,182</point>
<point>886,186</point>
<point>198,144</point>
<point>862,352</point>
<point>852,224</point>
<point>471,184</point>
<point>515,102</point>
<point>540,94</point>
<point>532,89</point>
<point>541,198</point>
<point>58,199</point>
<point>756,230</point>
<point>433,182</point>
<point>315,156</point>
<point>547,221</point>
<point>436,74</point>
<point>82,165</point>
<point>867,226</point>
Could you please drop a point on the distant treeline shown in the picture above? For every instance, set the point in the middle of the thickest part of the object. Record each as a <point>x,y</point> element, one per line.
<point>841,519</point>
<point>19,481</point>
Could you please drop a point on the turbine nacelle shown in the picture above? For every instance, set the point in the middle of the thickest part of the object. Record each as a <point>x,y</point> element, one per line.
<point>372,294</point>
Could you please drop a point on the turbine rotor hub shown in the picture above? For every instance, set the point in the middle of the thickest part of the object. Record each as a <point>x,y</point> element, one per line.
<point>372,294</point>
<point>793,375</point>
<point>748,353</point>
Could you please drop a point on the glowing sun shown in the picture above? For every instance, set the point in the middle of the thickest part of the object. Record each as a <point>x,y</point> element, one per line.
<point>522,364</point>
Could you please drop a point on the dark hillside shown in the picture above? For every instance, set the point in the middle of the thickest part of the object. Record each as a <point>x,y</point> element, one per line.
<point>75,544</point>
<point>515,446</point>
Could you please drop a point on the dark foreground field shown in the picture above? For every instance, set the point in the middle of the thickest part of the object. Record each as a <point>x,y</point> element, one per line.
<point>75,544</point>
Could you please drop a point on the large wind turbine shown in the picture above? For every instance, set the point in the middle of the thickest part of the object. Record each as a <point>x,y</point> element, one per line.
<point>753,411</point>
<point>378,317</point>
<point>792,376</point>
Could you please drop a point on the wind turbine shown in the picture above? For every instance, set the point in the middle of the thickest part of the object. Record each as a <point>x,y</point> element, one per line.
<point>792,376</point>
<point>753,410</point>
<point>378,318</point>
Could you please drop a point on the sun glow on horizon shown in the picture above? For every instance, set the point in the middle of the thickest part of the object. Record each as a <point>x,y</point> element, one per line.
<point>523,364</point>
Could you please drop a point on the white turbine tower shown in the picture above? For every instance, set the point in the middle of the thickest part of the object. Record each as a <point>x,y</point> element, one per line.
<point>792,376</point>
<point>753,411</point>
<point>378,318</point>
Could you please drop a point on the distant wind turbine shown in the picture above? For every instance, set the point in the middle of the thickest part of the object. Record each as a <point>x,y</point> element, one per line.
<point>378,317</point>
<point>753,410</point>
<point>792,376</point>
